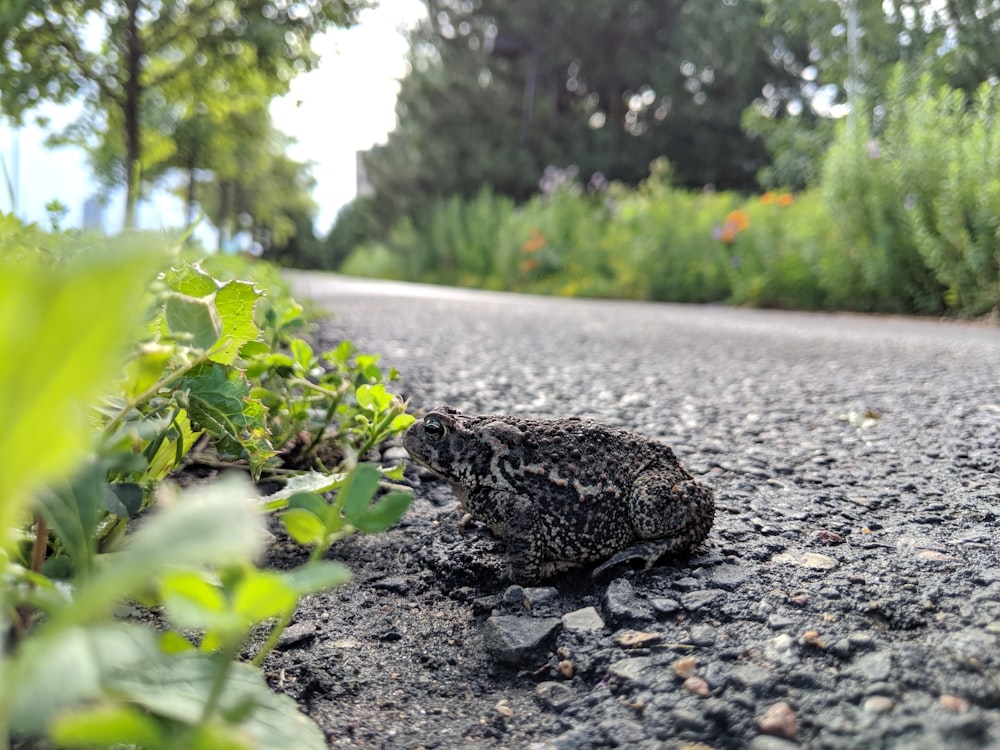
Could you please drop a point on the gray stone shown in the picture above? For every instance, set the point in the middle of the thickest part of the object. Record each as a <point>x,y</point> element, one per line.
<point>769,742</point>
<point>728,577</point>
<point>665,605</point>
<point>876,666</point>
<point>511,639</point>
<point>555,695</point>
<point>298,633</point>
<point>703,635</point>
<point>632,669</point>
<point>585,620</point>
<point>622,604</point>
<point>693,600</point>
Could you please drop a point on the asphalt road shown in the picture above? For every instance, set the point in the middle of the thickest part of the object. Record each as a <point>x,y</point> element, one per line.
<point>849,594</point>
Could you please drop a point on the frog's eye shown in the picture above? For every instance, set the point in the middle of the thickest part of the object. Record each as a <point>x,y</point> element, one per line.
<point>433,429</point>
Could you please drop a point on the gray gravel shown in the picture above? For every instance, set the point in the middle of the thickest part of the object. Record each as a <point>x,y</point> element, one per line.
<point>848,595</point>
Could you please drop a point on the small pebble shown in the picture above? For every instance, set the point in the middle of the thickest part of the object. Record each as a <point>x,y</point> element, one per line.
<point>637,638</point>
<point>779,720</point>
<point>878,704</point>
<point>685,667</point>
<point>954,704</point>
<point>696,686</point>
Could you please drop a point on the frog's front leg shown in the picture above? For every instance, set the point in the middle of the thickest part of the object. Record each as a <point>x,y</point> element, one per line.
<point>516,520</point>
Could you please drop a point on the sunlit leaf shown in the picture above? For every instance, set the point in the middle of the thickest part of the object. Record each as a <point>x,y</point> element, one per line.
<point>304,526</point>
<point>106,724</point>
<point>235,305</point>
<point>62,331</point>
<point>263,594</point>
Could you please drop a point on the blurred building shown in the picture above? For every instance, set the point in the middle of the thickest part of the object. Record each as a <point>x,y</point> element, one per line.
<point>93,215</point>
<point>364,187</point>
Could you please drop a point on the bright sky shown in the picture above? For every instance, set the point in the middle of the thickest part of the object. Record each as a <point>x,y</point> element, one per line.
<point>344,106</point>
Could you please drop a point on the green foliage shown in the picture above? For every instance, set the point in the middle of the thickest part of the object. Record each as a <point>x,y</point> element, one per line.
<point>195,356</point>
<point>918,202</point>
<point>164,84</point>
<point>915,230</point>
<point>497,91</point>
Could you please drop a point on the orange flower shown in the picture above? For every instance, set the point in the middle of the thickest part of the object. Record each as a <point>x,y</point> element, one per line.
<point>768,198</point>
<point>785,200</point>
<point>535,242</point>
<point>530,264</point>
<point>738,219</point>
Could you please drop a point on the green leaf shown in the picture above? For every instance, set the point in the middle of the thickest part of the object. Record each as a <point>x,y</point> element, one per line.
<point>385,513</point>
<point>191,280</point>
<point>263,594</point>
<point>219,401</point>
<point>318,576</point>
<point>63,329</point>
<point>194,320</point>
<point>303,354</point>
<point>395,473</point>
<point>57,669</point>
<point>304,526</point>
<point>191,600</point>
<point>341,354</point>
<point>235,304</point>
<point>313,481</point>
<point>373,397</point>
<point>357,491</point>
<point>213,525</point>
<point>401,422</point>
<point>107,724</point>
<point>178,687</point>
<point>145,368</point>
<point>123,498</point>
<point>73,511</point>
<point>173,642</point>
<point>309,501</point>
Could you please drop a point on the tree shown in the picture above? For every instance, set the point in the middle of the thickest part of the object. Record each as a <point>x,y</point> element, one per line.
<point>498,90</point>
<point>144,46</point>
<point>952,40</point>
<point>249,183</point>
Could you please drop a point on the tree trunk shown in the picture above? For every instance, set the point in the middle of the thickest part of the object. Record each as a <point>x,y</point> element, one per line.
<point>133,90</point>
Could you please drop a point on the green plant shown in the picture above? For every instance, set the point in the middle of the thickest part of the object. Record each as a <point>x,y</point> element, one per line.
<point>69,324</point>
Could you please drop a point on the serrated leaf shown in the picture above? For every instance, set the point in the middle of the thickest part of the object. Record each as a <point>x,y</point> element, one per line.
<point>357,491</point>
<point>385,513</point>
<point>235,303</point>
<point>304,526</point>
<point>219,401</point>
<point>190,280</point>
<point>313,481</point>
<point>193,320</point>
